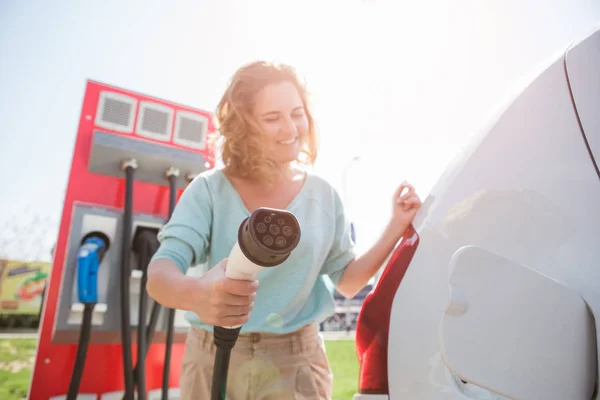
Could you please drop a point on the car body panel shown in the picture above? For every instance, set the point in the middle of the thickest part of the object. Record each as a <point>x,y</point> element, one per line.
<point>525,189</point>
<point>582,63</point>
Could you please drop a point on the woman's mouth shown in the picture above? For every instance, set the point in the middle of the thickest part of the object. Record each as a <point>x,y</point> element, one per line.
<point>288,141</point>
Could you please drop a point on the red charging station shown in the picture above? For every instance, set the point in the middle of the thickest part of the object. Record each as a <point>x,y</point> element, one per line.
<point>133,156</point>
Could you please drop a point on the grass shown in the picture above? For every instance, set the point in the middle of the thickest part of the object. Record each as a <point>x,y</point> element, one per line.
<point>17,356</point>
<point>344,365</point>
<point>16,361</point>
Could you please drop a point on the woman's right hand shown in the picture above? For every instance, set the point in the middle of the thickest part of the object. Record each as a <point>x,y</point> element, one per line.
<point>224,301</point>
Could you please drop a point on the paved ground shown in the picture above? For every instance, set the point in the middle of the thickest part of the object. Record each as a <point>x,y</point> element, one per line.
<point>343,335</point>
<point>18,333</point>
<point>18,336</point>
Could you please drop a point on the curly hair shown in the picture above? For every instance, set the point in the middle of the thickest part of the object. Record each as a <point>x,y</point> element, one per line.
<point>243,150</point>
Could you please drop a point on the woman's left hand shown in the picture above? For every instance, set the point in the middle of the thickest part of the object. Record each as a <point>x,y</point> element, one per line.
<point>405,206</point>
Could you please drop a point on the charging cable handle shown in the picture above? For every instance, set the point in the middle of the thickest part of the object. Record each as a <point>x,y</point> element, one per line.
<point>89,257</point>
<point>265,239</point>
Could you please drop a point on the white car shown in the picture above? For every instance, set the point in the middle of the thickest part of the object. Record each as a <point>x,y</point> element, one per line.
<point>493,294</point>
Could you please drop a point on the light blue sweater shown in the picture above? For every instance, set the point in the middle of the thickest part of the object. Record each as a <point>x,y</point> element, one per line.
<point>203,229</point>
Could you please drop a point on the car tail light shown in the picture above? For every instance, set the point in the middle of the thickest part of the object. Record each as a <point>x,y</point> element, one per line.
<point>373,323</point>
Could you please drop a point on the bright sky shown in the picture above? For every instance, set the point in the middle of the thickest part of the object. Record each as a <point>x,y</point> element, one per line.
<point>400,83</point>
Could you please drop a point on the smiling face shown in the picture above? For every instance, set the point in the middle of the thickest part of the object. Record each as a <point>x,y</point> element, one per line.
<point>265,122</point>
<point>279,112</point>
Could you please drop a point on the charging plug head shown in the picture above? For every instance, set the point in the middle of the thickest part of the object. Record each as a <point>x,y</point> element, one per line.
<point>268,236</point>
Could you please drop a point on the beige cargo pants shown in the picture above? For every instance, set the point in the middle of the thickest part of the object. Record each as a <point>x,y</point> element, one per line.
<point>263,366</point>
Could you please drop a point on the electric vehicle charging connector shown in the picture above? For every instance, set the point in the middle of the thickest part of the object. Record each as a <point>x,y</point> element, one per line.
<point>90,256</point>
<point>265,239</point>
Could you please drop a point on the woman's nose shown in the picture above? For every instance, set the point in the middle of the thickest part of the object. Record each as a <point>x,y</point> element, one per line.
<point>288,126</point>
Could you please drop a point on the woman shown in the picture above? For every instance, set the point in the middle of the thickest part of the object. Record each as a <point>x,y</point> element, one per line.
<point>268,133</point>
